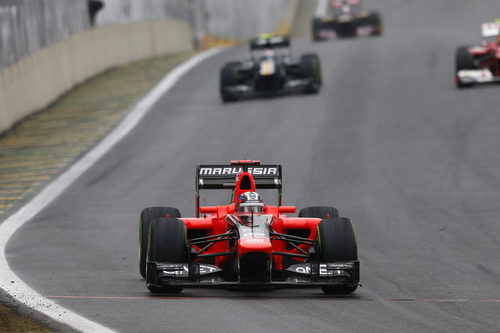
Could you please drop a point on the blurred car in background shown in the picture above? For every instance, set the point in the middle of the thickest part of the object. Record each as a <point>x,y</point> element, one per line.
<point>270,71</point>
<point>480,64</point>
<point>346,18</point>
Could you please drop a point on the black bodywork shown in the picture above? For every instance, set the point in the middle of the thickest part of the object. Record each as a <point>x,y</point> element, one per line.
<point>270,71</point>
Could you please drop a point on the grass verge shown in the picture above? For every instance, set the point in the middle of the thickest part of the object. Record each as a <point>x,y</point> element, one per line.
<point>38,148</point>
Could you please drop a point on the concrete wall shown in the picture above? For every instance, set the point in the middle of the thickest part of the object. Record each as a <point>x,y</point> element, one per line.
<point>233,19</point>
<point>28,25</point>
<point>38,79</point>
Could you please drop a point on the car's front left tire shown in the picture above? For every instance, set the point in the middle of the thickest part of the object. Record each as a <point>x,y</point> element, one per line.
<point>321,212</point>
<point>310,68</point>
<point>228,79</point>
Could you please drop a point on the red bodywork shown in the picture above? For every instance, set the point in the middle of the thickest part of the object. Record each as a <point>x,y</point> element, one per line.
<point>215,223</point>
<point>487,56</point>
<point>339,3</point>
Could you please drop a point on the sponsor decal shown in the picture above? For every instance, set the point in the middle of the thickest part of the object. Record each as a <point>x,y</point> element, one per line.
<point>327,269</point>
<point>267,68</point>
<point>303,269</point>
<point>490,29</point>
<point>340,266</point>
<point>233,171</point>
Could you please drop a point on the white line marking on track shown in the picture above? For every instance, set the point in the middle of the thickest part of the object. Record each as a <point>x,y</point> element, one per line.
<point>9,281</point>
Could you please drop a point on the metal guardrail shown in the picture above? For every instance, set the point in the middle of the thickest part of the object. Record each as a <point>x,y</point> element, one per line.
<point>28,25</point>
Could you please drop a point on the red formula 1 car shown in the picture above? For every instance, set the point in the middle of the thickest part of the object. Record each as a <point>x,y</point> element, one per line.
<point>344,18</point>
<point>247,243</point>
<point>480,64</point>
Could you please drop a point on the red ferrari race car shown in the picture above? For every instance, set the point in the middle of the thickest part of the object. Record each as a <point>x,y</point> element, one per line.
<point>480,64</point>
<point>247,243</point>
<point>344,18</point>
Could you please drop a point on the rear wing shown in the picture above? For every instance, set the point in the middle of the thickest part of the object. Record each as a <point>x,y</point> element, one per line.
<point>491,29</point>
<point>267,42</point>
<point>223,176</point>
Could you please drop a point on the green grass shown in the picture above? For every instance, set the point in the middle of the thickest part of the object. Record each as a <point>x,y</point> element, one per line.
<point>11,321</point>
<point>39,147</point>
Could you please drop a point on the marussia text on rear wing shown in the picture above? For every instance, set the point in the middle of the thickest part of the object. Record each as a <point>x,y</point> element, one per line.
<point>223,176</point>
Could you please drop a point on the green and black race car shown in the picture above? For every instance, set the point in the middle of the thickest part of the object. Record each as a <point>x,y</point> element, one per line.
<point>270,71</point>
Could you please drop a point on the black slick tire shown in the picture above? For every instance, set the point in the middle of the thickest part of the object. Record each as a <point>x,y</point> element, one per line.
<point>337,242</point>
<point>167,242</point>
<point>310,68</point>
<point>315,29</point>
<point>228,79</point>
<point>321,212</point>
<point>375,20</point>
<point>147,215</point>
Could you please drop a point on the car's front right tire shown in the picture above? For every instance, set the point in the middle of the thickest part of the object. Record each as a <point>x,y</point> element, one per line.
<point>337,242</point>
<point>463,60</point>
<point>147,215</point>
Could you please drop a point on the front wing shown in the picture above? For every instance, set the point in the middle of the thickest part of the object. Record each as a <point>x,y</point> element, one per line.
<point>291,86</point>
<point>330,29</point>
<point>475,76</point>
<point>302,275</point>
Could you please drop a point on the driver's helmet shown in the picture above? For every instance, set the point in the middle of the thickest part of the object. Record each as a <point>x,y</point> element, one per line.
<point>249,202</point>
<point>339,3</point>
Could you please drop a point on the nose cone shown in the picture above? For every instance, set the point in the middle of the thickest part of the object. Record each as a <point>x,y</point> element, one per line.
<point>254,245</point>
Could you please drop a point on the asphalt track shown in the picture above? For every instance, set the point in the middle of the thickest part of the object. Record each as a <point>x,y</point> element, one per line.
<point>389,140</point>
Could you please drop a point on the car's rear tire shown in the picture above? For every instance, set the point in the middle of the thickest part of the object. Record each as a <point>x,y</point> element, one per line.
<point>337,242</point>
<point>321,212</point>
<point>317,25</point>
<point>147,215</point>
<point>167,242</point>
<point>310,68</point>
<point>375,20</point>
<point>228,79</point>
<point>463,60</point>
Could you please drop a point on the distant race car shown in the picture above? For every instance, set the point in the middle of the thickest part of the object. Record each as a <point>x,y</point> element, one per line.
<point>269,71</point>
<point>246,243</point>
<point>346,18</point>
<point>480,64</point>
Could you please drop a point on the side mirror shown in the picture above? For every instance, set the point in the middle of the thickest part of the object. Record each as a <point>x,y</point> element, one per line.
<point>287,209</point>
